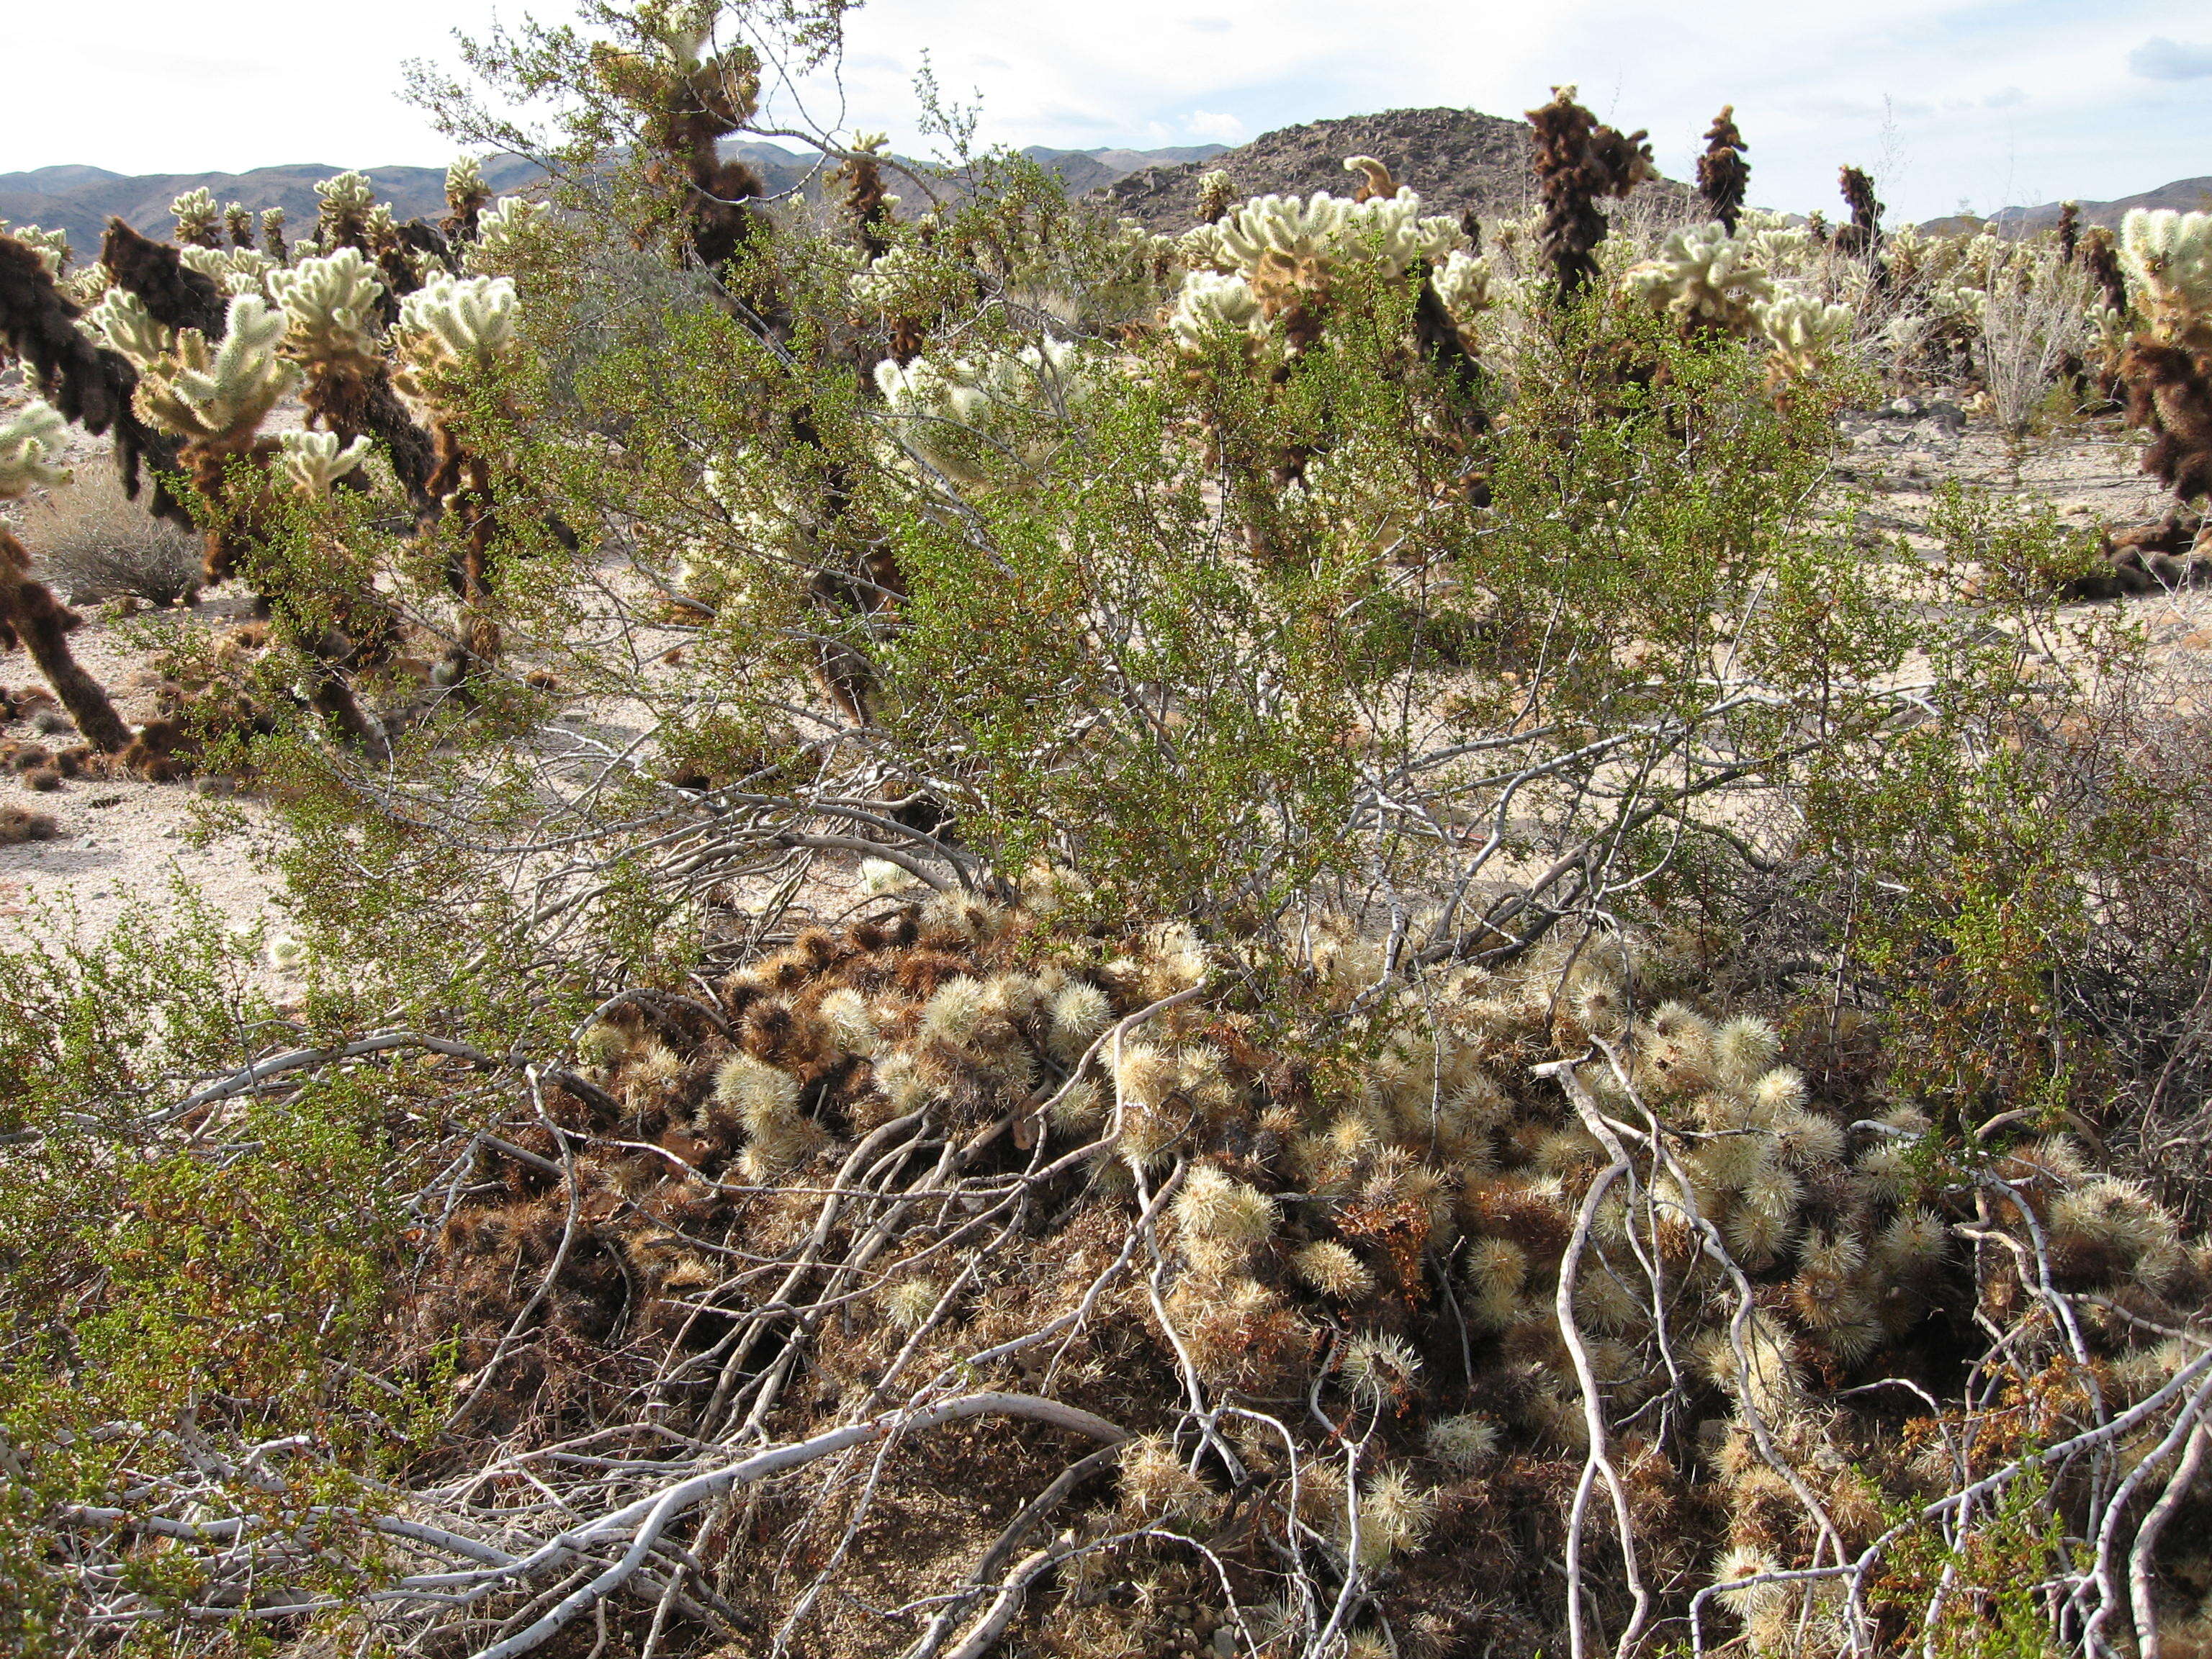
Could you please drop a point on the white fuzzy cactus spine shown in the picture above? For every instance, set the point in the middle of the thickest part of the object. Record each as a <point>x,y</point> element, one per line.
<point>2167,257</point>
<point>31,444</point>
<point>330,306</point>
<point>222,393</point>
<point>966,392</point>
<point>53,246</point>
<point>1467,285</point>
<point>314,461</point>
<point>1324,231</point>
<point>1210,304</point>
<point>467,320</point>
<point>121,321</point>
<point>501,228</point>
<point>197,216</point>
<point>236,270</point>
<point>1704,278</point>
<point>1803,333</point>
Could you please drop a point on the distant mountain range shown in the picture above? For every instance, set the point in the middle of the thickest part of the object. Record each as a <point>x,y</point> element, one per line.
<point>81,199</point>
<point>2183,196</point>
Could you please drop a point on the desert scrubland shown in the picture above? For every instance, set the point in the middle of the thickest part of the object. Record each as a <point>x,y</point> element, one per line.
<point>905,917</point>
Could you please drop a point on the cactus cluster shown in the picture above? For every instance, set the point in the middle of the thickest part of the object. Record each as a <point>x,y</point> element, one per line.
<point>32,441</point>
<point>949,410</point>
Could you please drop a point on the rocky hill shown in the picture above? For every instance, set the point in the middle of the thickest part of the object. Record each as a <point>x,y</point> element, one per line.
<point>1456,158</point>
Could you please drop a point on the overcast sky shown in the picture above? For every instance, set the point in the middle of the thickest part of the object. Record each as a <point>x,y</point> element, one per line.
<point>1947,103</point>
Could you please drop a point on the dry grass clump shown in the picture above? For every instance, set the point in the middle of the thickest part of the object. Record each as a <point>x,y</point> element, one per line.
<point>94,543</point>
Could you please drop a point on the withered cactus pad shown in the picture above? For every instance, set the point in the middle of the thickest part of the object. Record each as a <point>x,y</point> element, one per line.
<point>1724,175</point>
<point>177,295</point>
<point>91,386</point>
<point>1578,162</point>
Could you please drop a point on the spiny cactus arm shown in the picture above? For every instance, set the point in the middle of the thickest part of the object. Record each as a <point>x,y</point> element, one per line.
<point>219,395</point>
<point>466,195</point>
<point>30,451</point>
<point>1863,234</point>
<point>122,320</point>
<point>313,461</point>
<point>51,245</point>
<point>1376,182</point>
<point>90,386</point>
<point>31,446</point>
<point>332,305</point>
<point>178,296</point>
<point>464,319</point>
<point>272,234</point>
<point>42,622</point>
<point>1578,163</point>
<point>196,218</point>
<point>2166,257</point>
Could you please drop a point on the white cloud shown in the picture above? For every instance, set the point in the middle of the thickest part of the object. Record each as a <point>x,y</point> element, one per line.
<point>2160,59</point>
<point>1222,129</point>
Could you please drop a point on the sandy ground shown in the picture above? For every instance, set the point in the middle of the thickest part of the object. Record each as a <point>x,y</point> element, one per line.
<point>126,842</point>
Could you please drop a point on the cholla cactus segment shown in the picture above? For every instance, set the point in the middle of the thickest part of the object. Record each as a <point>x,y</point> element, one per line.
<point>465,189</point>
<point>1215,193</point>
<point>345,202</point>
<point>221,394</point>
<point>502,230</point>
<point>1211,305</point>
<point>462,320</point>
<point>1282,239</point>
<point>1467,285</point>
<point>31,444</point>
<point>197,218</point>
<point>314,461</point>
<point>121,321</point>
<point>272,233</point>
<point>949,406</point>
<point>2167,258</point>
<point>53,246</point>
<point>235,269</point>
<point>1702,277</point>
<point>330,306</point>
<point>1803,331</point>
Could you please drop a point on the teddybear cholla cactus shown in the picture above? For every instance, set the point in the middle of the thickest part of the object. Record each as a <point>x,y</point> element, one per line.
<point>1429,1242</point>
<point>31,444</point>
<point>1579,162</point>
<point>466,193</point>
<point>2168,259</point>
<point>199,219</point>
<point>1724,176</point>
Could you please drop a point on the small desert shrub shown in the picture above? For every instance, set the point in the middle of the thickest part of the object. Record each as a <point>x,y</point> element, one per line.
<point>94,543</point>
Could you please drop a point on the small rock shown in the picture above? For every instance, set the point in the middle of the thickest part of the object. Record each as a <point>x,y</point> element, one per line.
<point>1948,416</point>
<point>1904,409</point>
<point>1225,1643</point>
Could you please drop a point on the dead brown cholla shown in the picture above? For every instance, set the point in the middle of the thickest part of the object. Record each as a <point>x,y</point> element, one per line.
<point>1863,234</point>
<point>91,386</point>
<point>2069,230</point>
<point>686,116</point>
<point>42,622</point>
<point>2103,260</point>
<point>175,296</point>
<point>2169,392</point>
<point>1724,175</point>
<point>1579,162</point>
<point>866,203</point>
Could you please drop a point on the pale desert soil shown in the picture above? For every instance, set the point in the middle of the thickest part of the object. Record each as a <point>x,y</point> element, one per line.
<point>127,842</point>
